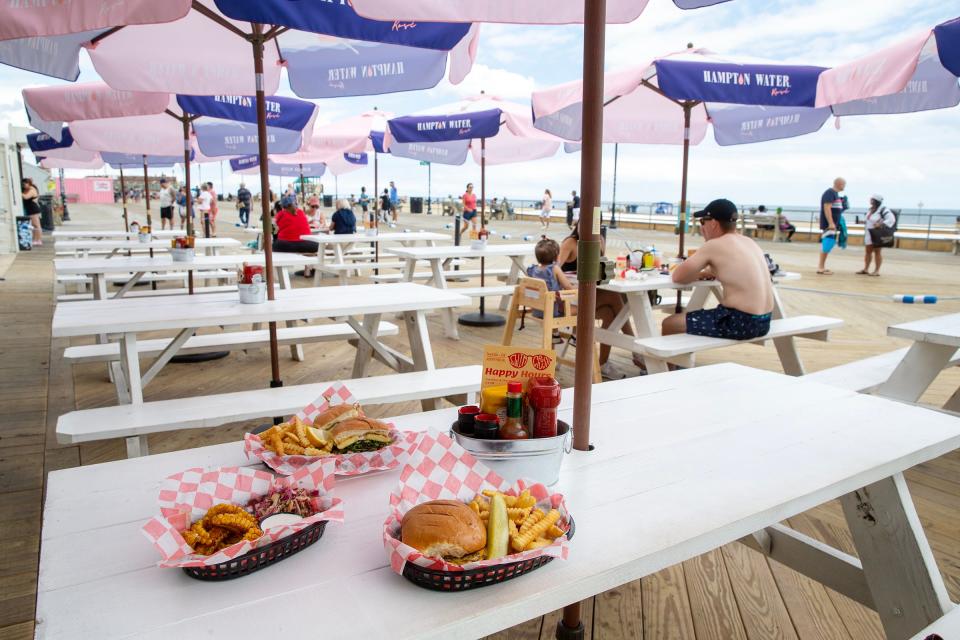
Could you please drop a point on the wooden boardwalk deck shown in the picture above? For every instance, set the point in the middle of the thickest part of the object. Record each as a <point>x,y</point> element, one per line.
<point>729,593</point>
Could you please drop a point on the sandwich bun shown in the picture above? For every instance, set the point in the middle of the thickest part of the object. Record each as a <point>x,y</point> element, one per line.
<point>443,528</point>
<point>337,414</point>
<point>347,432</point>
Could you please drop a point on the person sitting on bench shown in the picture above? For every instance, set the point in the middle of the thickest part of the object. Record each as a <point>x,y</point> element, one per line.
<point>291,224</point>
<point>738,263</point>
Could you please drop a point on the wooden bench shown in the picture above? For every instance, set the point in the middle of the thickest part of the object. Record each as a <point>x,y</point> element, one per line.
<point>867,374</point>
<point>226,341</point>
<point>681,348</point>
<point>149,293</point>
<point>81,281</point>
<point>135,422</point>
<point>484,292</point>
<point>449,275</point>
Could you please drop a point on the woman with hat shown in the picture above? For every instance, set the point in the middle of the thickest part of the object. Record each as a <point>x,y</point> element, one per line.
<point>878,216</point>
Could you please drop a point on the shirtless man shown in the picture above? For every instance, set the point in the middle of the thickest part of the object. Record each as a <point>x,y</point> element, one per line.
<point>738,263</point>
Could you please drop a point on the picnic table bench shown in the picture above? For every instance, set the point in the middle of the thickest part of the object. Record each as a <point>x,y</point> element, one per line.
<point>748,450</point>
<point>84,248</point>
<point>867,374</point>
<point>200,412</point>
<point>935,344</point>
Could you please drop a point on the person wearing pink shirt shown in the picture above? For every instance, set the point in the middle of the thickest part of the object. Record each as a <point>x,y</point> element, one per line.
<point>470,206</point>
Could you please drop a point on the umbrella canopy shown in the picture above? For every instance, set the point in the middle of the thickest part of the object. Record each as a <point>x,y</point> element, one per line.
<point>507,11</point>
<point>445,134</point>
<point>328,49</point>
<point>496,131</point>
<point>917,74</point>
<point>670,100</point>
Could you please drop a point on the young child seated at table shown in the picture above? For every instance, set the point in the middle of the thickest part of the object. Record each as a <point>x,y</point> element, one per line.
<point>548,270</point>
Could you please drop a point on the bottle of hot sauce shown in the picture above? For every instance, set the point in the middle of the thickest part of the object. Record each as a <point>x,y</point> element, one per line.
<point>513,428</point>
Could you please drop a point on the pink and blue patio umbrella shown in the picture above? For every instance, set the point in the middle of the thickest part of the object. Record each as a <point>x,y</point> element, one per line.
<point>329,50</point>
<point>918,73</point>
<point>496,131</point>
<point>508,11</point>
<point>671,100</point>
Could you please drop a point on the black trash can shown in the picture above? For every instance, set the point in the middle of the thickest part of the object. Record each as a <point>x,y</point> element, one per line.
<point>46,213</point>
<point>327,201</point>
<point>416,205</point>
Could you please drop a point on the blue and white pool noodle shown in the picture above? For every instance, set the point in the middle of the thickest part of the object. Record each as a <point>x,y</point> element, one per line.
<point>915,299</point>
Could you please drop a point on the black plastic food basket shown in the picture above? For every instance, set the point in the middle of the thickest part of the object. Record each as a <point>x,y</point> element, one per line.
<point>474,578</point>
<point>260,558</point>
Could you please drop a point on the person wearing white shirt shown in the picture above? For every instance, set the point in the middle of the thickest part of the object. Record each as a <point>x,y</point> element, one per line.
<point>203,204</point>
<point>168,198</point>
<point>878,217</point>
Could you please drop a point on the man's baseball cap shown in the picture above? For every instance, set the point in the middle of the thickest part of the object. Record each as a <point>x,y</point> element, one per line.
<point>287,201</point>
<point>721,210</point>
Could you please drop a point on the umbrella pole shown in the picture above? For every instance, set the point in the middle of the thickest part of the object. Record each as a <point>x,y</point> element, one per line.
<point>613,205</point>
<point>588,247</point>
<point>303,192</point>
<point>376,206</point>
<point>257,41</point>
<point>185,120</point>
<point>482,319</point>
<point>123,199</point>
<point>146,193</point>
<point>682,226</point>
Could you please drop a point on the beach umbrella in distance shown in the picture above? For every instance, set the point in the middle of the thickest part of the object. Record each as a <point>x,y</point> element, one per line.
<point>594,15</point>
<point>494,130</point>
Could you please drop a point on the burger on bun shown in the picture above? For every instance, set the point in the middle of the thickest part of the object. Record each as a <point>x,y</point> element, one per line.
<point>445,529</point>
<point>360,434</point>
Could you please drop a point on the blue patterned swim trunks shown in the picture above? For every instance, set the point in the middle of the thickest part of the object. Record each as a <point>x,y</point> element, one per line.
<point>724,322</point>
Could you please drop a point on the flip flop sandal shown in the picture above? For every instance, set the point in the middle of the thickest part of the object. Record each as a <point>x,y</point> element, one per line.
<point>874,274</point>
<point>825,272</point>
<point>863,272</point>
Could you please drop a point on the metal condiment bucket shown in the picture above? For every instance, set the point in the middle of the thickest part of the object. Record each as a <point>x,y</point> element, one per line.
<point>536,459</point>
<point>255,293</point>
<point>182,255</point>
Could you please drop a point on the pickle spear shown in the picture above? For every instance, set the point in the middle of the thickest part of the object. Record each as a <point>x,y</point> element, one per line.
<point>498,534</point>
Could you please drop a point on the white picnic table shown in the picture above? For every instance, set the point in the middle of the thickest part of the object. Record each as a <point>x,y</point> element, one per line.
<point>639,310</point>
<point>104,234</point>
<point>99,268</point>
<point>935,342</point>
<point>749,449</point>
<point>83,248</point>
<point>340,243</point>
<point>441,257</point>
<point>361,307</point>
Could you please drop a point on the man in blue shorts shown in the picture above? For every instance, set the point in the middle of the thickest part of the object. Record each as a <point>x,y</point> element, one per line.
<point>739,264</point>
<point>831,210</point>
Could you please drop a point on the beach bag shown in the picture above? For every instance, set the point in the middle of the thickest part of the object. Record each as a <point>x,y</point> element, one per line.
<point>883,236</point>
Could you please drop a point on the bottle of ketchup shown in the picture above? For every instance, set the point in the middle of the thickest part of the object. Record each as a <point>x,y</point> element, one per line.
<point>543,398</point>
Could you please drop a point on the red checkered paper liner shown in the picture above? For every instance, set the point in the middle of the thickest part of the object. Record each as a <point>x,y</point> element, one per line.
<point>352,464</point>
<point>440,469</point>
<point>186,496</point>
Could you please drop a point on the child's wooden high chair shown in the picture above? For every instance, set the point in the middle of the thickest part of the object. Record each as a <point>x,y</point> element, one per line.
<point>532,294</point>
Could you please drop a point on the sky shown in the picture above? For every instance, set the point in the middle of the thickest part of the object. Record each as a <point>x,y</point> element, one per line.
<point>909,159</point>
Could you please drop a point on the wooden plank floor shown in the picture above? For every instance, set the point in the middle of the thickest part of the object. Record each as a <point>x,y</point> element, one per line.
<point>728,593</point>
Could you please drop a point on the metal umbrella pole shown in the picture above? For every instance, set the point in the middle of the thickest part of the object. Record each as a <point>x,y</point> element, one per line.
<point>146,194</point>
<point>613,205</point>
<point>123,200</point>
<point>257,40</point>
<point>482,318</point>
<point>303,190</point>
<point>63,197</point>
<point>682,225</point>
<point>588,248</point>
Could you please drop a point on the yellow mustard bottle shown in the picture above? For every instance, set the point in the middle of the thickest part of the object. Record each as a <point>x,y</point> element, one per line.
<point>494,400</point>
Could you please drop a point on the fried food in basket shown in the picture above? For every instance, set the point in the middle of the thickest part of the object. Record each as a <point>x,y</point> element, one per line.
<point>529,526</point>
<point>221,526</point>
<point>338,430</point>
